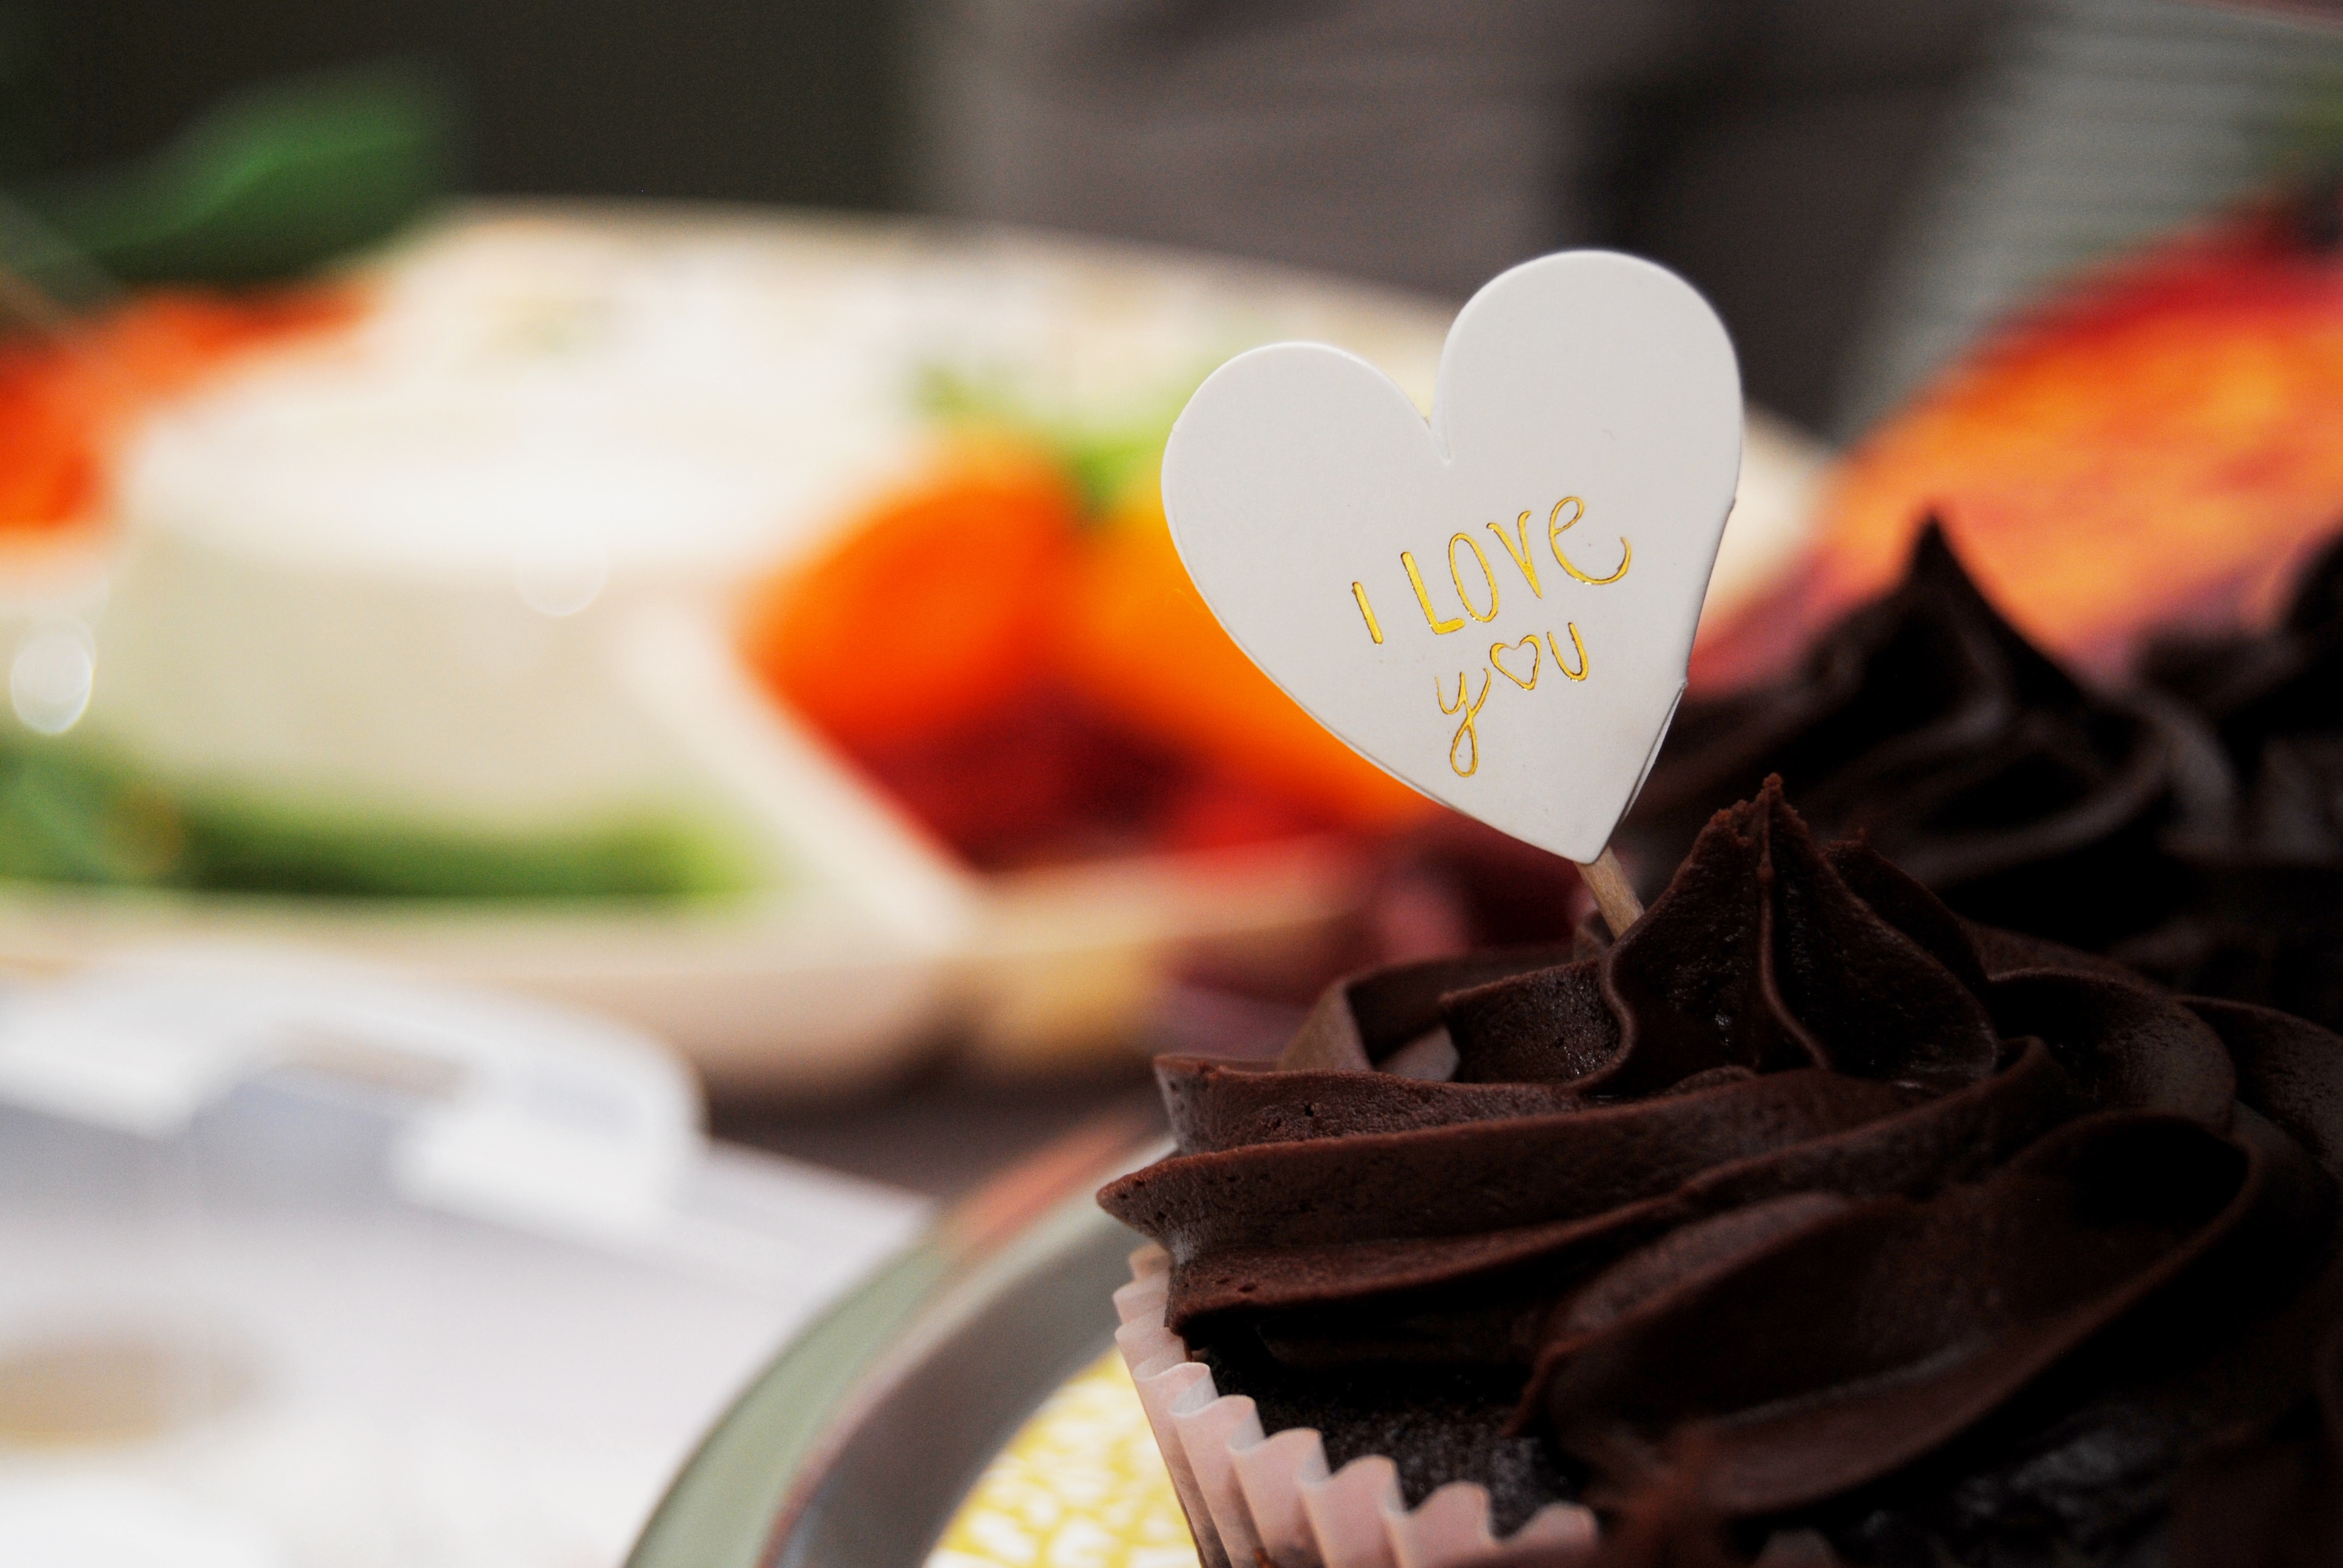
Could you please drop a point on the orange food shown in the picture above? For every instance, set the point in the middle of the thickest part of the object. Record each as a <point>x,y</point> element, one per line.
<point>2160,444</point>
<point>1037,685</point>
<point>1140,643</point>
<point>934,608</point>
<point>66,403</point>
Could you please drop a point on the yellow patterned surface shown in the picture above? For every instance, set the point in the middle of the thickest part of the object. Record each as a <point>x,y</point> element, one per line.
<point>1079,1486</point>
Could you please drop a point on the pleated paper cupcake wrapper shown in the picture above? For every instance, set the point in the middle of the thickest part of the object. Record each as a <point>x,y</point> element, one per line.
<point>1253,1499</point>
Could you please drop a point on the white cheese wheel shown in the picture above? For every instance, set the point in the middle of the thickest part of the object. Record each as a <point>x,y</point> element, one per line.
<point>386,569</point>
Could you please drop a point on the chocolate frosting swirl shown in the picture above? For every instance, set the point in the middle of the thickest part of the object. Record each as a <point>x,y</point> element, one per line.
<point>1970,758</point>
<point>2263,917</point>
<point>1804,1213</point>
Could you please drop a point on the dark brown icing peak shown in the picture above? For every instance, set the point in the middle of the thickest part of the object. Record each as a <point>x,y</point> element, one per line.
<point>2020,796</point>
<point>1789,1215</point>
<point>2263,918</point>
<point>1761,957</point>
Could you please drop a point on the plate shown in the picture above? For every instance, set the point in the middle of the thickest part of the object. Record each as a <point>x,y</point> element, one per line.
<point>875,943</point>
<point>854,1447</point>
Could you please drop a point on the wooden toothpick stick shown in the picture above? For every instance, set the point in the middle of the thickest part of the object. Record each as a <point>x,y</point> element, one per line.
<point>1613,894</point>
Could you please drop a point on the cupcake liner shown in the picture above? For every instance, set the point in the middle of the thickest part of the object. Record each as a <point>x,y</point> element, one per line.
<point>1253,1499</point>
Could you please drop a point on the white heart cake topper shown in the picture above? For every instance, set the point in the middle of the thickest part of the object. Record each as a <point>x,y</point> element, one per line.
<point>1496,607</point>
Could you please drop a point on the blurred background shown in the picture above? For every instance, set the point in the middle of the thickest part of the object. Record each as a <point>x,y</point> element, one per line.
<point>573,575</point>
<point>1767,151</point>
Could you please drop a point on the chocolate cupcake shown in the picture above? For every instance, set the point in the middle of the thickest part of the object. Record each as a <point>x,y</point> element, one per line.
<point>2263,917</point>
<point>1926,722</point>
<point>1807,1220</point>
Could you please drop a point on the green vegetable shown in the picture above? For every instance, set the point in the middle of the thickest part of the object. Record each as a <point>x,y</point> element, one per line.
<point>1102,454</point>
<point>266,184</point>
<point>69,815</point>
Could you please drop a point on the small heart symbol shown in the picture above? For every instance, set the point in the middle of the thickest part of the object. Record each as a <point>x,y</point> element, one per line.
<point>1569,489</point>
<point>1497,651</point>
